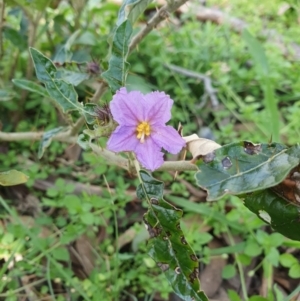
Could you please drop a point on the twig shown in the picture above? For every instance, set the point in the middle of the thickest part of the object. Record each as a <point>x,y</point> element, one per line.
<point>178,166</point>
<point>35,136</point>
<point>2,9</point>
<point>161,14</point>
<point>110,157</point>
<point>114,159</point>
<point>99,92</point>
<point>206,80</point>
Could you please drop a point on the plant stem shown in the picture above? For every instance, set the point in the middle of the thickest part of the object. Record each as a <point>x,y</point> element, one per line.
<point>272,109</point>
<point>240,268</point>
<point>2,9</point>
<point>161,14</point>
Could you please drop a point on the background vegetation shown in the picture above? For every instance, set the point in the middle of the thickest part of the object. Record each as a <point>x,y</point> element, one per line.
<point>74,231</point>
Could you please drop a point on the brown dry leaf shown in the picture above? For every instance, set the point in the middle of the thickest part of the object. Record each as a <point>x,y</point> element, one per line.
<point>192,219</point>
<point>221,295</point>
<point>73,152</point>
<point>85,254</point>
<point>211,277</point>
<point>126,237</point>
<point>200,146</point>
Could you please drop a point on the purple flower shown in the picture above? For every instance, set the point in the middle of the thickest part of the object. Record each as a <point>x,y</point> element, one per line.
<point>142,128</point>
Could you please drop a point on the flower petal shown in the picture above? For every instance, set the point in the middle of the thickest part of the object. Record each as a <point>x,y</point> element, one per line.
<point>127,108</point>
<point>168,138</point>
<point>149,154</point>
<point>157,107</point>
<point>123,139</point>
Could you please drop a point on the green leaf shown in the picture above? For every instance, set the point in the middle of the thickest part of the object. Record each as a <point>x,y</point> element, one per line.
<point>59,90</point>
<point>233,295</point>
<point>167,244</point>
<point>89,113</point>
<point>73,204</point>
<point>294,271</point>
<point>272,256</point>
<point>60,254</point>
<point>276,240</point>
<point>275,211</point>
<point>74,78</point>
<point>15,37</point>
<point>44,68</point>
<point>287,260</point>
<point>228,271</point>
<point>64,94</point>
<point>257,52</point>
<point>64,54</point>
<point>47,139</point>
<point>131,10</point>
<point>6,94</point>
<point>31,86</point>
<point>83,141</point>
<point>12,177</point>
<point>252,248</point>
<point>118,66</point>
<point>87,218</point>
<point>243,167</point>
<point>272,122</point>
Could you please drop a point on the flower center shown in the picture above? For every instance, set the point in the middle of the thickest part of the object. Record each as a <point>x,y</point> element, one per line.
<point>143,129</point>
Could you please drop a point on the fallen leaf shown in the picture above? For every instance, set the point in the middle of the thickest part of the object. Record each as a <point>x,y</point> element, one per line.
<point>200,146</point>
<point>12,177</point>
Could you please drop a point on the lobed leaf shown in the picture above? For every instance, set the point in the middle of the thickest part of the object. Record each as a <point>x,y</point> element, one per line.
<point>59,90</point>
<point>74,78</point>
<point>31,86</point>
<point>243,167</point>
<point>89,113</point>
<point>131,10</point>
<point>118,66</point>
<point>64,94</point>
<point>44,68</point>
<point>47,139</point>
<point>12,177</point>
<point>275,211</point>
<point>167,244</point>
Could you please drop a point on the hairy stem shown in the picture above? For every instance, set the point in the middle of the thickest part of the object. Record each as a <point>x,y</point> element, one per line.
<point>110,157</point>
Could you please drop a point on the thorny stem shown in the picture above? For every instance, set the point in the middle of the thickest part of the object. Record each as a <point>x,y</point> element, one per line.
<point>161,14</point>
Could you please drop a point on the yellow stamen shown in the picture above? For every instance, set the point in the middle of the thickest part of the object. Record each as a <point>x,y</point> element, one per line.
<point>143,129</point>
